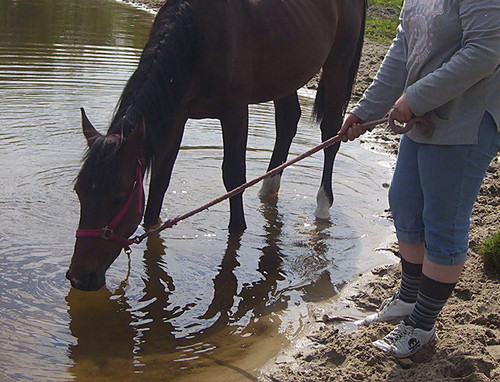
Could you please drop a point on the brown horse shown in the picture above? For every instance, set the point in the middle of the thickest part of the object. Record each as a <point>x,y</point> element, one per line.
<point>211,59</point>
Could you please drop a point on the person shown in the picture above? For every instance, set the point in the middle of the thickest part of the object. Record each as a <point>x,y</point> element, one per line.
<point>443,64</point>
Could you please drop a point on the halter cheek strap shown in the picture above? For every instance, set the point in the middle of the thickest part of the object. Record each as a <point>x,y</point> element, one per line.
<point>108,232</point>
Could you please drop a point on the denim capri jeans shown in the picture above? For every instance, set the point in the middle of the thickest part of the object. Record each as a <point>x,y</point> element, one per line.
<point>434,188</point>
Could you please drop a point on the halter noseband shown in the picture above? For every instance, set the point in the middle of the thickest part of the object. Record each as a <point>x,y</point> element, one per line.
<point>108,232</point>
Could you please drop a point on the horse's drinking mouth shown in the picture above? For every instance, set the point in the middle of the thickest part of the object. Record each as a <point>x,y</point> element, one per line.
<point>91,281</point>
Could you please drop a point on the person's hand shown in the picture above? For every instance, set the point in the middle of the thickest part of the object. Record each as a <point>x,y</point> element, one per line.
<point>401,111</point>
<point>351,128</point>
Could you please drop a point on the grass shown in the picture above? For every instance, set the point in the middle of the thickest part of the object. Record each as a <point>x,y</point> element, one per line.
<point>382,20</point>
<point>490,251</point>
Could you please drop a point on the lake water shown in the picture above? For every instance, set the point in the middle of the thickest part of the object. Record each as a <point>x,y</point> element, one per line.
<point>192,304</point>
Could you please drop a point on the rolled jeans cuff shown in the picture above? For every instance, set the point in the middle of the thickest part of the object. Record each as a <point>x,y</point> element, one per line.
<point>454,258</point>
<point>410,237</point>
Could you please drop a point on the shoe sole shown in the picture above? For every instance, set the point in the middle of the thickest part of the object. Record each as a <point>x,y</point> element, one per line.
<point>391,321</point>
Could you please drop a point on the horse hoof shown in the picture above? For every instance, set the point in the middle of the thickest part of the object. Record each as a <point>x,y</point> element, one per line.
<point>148,226</point>
<point>323,205</point>
<point>270,186</point>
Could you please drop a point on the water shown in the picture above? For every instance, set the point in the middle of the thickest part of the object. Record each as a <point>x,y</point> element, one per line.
<point>193,304</point>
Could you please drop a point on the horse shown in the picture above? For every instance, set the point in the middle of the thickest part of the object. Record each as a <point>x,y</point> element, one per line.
<point>211,59</point>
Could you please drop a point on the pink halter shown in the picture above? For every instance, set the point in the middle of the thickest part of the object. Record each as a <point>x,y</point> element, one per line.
<point>108,232</point>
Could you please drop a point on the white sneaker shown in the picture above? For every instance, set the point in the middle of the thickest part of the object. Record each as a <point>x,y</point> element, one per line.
<point>391,309</point>
<point>405,340</point>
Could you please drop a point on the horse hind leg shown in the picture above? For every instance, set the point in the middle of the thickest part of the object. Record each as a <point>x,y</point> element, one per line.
<point>334,92</point>
<point>336,86</point>
<point>287,115</point>
<point>325,197</point>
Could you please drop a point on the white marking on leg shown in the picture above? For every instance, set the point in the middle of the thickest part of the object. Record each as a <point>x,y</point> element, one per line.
<point>270,186</point>
<point>322,205</point>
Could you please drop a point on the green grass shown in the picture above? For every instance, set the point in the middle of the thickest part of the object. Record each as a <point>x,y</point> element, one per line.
<point>382,20</point>
<point>387,3</point>
<point>490,251</point>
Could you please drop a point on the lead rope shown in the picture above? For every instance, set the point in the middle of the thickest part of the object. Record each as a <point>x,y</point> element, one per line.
<point>423,125</point>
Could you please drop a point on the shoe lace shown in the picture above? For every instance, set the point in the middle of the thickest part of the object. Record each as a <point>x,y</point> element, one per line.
<point>398,333</point>
<point>388,302</point>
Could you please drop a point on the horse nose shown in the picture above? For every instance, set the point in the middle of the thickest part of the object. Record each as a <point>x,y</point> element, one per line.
<point>85,281</point>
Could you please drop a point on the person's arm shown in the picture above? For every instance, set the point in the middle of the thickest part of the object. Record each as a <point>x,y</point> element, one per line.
<point>478,58</point>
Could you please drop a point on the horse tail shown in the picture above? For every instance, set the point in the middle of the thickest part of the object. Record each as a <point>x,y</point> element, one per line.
<point>319,103</point>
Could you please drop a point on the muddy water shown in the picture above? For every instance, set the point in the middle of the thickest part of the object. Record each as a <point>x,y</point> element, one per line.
<point>193,304</point>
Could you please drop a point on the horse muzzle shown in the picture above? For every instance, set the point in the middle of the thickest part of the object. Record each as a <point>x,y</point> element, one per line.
<point>90,281</point>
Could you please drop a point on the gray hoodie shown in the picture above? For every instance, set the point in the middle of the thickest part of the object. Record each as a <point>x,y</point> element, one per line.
<point>446,58</point>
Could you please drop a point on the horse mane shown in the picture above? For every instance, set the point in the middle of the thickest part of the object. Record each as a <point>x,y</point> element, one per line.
<point>153,93</point>
<point>101,170</point>
<point>162,78</point>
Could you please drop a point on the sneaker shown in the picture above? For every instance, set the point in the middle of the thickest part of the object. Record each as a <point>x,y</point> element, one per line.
<point>405,340</point>
<point>391,309</point>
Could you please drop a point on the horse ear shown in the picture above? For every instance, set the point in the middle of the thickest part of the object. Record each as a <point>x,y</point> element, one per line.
<point>88,129</point>
<point>134,144</point>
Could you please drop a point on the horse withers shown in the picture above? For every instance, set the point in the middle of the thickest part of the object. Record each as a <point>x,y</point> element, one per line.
<point>211,59</point>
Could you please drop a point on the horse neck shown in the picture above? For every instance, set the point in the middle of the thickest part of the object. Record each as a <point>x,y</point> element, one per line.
<point>158,86</point>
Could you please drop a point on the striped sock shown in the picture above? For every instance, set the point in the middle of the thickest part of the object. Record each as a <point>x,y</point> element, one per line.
<point>410,281</point>
<point>432,296</point>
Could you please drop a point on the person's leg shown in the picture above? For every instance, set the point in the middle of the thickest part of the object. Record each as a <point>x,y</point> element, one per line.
<point>448,206</point>
<point>447,209</point>
<point>412,257</point>
<point>406,202</point>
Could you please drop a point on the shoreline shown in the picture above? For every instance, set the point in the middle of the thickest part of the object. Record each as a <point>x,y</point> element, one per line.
<point>468,328</point>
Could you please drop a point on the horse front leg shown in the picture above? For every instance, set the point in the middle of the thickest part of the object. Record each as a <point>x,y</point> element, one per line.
<point>235,131</point>
<point>287,115</point>
<point>161,172</point>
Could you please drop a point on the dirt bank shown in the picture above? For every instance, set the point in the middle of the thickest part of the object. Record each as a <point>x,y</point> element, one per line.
<point>468,348</point>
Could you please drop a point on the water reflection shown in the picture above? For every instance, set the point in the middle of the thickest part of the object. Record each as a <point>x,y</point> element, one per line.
<point>139,340</point>
<point>101,323</point>
<point>153,312</point>
<point>88,22</point>
<point>262,296</point>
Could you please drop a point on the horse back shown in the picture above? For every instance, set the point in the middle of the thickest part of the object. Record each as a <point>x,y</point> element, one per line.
<point>258,50</point>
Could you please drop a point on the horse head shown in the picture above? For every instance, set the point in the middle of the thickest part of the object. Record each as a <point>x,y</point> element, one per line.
<point>111,195</point>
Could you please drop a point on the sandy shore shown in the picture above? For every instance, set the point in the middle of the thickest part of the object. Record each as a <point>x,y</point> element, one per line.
<point>468,348</point>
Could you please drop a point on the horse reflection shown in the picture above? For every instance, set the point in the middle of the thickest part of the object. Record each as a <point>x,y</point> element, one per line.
<point>102,326</point>
<point>154,320</point>
<point>153,334</point>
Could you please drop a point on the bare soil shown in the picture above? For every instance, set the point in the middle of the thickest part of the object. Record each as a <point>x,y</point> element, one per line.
<point>468,345</point>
